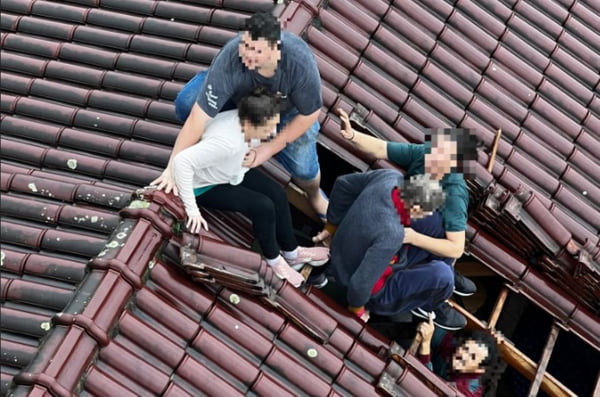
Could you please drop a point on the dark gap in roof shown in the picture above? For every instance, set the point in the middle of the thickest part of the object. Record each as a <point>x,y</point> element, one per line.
<point>573,362</point>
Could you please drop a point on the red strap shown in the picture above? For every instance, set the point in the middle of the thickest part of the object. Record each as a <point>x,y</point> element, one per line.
<point>405,219</point>
<point>399,204</point>
<point>381,282</point>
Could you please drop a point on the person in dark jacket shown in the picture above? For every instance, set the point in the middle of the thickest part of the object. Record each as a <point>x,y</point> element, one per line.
<point>366,218</point>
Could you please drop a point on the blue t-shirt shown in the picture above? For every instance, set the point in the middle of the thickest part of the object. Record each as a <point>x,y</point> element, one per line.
<point>411,157</point>
<point>296,78</point>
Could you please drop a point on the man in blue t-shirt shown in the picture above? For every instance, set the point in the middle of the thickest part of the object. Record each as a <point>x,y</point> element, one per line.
<point>260,55</point>
<point>445,156</point>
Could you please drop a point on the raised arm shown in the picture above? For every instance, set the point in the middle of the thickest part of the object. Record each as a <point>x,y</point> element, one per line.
<point>366,143</point>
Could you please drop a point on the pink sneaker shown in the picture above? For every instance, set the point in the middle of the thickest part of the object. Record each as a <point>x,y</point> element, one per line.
<point>283,270</point>
<point>314,256</point>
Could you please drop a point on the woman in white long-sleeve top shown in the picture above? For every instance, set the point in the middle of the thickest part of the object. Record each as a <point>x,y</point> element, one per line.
<point>210,174</point>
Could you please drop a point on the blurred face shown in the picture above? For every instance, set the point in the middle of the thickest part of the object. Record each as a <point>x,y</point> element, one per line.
<point>257,54</point>
<point>417,212</point>
<point>442,158</point>
<point>262,132</point>
<point>468,357</point>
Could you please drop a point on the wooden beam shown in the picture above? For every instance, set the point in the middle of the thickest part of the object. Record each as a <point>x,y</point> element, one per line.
<point>516,359</point>
<point>305,271</point>
<point>498,308</point>
<point>541,369</point>
<point>490,166</point>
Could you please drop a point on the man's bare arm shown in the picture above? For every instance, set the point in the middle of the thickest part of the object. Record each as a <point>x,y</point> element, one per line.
<point>190,133</point>
<point>292,131</point>
<point>453,246</point>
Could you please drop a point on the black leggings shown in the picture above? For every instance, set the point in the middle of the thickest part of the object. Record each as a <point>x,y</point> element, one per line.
<point>263,201</point>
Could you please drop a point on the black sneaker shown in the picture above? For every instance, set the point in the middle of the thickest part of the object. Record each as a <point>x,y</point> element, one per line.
<point>318,280</point>
<point>444,317</point>
<point>463,286</point>
<point>418,312</point>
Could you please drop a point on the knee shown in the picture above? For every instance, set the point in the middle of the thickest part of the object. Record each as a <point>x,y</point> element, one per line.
<point>443,274</point>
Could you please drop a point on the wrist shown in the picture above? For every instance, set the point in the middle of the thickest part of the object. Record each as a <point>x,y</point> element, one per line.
<point>415,239</point>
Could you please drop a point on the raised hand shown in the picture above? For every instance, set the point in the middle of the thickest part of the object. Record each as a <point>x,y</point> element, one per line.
<point>426,329</point>
<point>346,131</point>
<point>257,156</point>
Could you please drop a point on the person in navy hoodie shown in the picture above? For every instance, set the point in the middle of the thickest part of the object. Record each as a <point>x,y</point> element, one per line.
<point>366,220</point>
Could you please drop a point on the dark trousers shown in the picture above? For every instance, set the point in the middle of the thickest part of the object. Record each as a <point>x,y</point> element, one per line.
<point>425,285</point>
<point>426,282</point>
<point>263,201</point>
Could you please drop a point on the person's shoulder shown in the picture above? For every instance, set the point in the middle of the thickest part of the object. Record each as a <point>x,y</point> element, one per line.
<point>454,181</point>
<point>224,123</point>
<point>295,49</point>
<point>382,173</point>
<point>387,177</point>
<point>414,149</point>
<point>293,40</point>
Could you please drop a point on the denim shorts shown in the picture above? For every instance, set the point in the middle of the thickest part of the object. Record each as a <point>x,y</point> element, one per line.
<point>299,158</point>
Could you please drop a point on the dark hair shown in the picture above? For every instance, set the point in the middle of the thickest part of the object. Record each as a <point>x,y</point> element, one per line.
<point>492,364</point>
<point>259,106</point>
<point>423,191</point>
<point>487,340</point>
<point>467,144</point>
<point>263,25</point>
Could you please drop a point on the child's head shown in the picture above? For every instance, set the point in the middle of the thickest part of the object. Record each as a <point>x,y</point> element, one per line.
<point>422,195</point>
<point>259,114</point>
<point>477,354</point>
<point>259,43</point>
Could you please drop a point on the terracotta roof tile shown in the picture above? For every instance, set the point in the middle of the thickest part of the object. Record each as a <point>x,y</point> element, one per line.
<point>464,74</point>
<point>25,323</point>
<point>576,68</point>
<point>86,55</point>
<point>60,11</point>
<point>356,14</point>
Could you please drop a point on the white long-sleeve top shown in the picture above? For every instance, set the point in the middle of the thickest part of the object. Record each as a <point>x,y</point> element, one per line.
<point>215,159</point>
